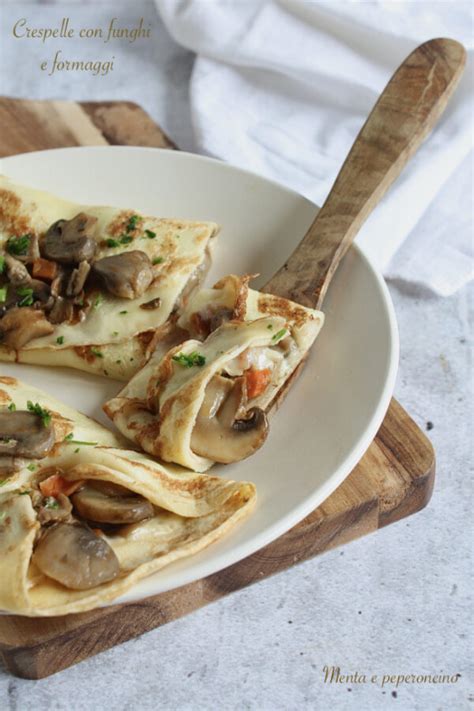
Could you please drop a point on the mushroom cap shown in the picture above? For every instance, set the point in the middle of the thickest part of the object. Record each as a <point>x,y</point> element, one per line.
<point>224,431</point>
<point>20,325</point>
<point>70,241</point>
<point>23,434</point>
<point>74,556</point>
<point>127,275</point>
<point>111,504</point>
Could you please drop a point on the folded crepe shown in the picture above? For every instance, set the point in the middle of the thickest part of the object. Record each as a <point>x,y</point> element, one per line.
<point>206,401</point>
<point>93,288</point>
<point>82,519</point>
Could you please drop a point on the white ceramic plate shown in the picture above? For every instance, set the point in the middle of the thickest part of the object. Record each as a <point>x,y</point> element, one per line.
<point>335,408</point>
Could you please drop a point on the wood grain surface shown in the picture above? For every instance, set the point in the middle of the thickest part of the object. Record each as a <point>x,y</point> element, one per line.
<point>405,113</point>
<point>393,480</point>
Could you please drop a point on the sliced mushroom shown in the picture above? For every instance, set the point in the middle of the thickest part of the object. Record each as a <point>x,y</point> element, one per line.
<point>71,241</point>
<point>21,325</point>
<point>23,434</point>
<point>17,273</point>
<point>58,285</point>
<point>127,275</point>
<point>74,556</point>
<point>62,310</point>
<point>110,503</point>
<point>41,290</point>
<point>224,431</point>
<point>52,509</point>
<point>78,279</point>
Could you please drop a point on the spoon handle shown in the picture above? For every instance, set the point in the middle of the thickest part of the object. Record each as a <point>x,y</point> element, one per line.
<point>405,113</point>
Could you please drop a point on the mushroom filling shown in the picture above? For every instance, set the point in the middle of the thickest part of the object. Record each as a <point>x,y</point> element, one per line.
<point>53,280</point>
<point>25,434</point>
<point>70,241</point>
<point>126,275</point>
<point>70,547</point>
<point>225,430</point>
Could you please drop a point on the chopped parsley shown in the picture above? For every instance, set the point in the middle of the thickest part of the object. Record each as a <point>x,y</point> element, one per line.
<point>32,467</point>
<point>157,260</point>
<point>123,312</point>
<point>126,239</point>
<point>112,242</point>
<point>3,294</point>
<point>97,353</point>
<point>26,294</point>
<point>115,333</point>
<point>132,223</point>
<point>187,361</point>
<point>19,245</point>
<point>98,301</point>
<point>12,407</point>
<point>118,362</point>
<point>150,234</point>
<point>2,263</point>
<point>60,340</point>
<point>76,450</point>
<point>51,503</point>
<point>70,438</point>
<point>279,335</point>
<point>270,326</point>
<point>40,411</point>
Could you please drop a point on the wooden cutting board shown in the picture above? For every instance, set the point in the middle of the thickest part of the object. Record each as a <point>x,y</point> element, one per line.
<point>393,480</point>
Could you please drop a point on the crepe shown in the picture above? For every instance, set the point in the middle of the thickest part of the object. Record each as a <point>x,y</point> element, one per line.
<point>116,334</point>
<point>205,402</point>
<point>188,511</point>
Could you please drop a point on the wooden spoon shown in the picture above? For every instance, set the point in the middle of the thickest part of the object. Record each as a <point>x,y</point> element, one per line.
<point>405,113</point>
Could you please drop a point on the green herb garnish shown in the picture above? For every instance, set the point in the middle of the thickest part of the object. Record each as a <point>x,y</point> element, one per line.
<point>270,326</point>
<point>157,260</point>
<point>2,263</point>
<point>278,335</point>
<point>26,294</point>
<point>115,333</point>
<point>112,242</point>
<point>187,361</point>
<point>12,407</point>
<point>19,245</point>
<point>3,294</point>
<point>150,234</point>
<point>118,362</point>
<point>123,312</point>
<point>98,301</point>
<point>60,340</point>
<point>97,353</point>
<point>32,467</point>
<point>126,239</point>
<point>40,411</point>
<point>70,438</point>
<point>51,503</point>
<point>4,481</point>
<point>132,223</point>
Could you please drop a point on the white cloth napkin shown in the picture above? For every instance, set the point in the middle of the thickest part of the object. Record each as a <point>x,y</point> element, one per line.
<point>283,87</point>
